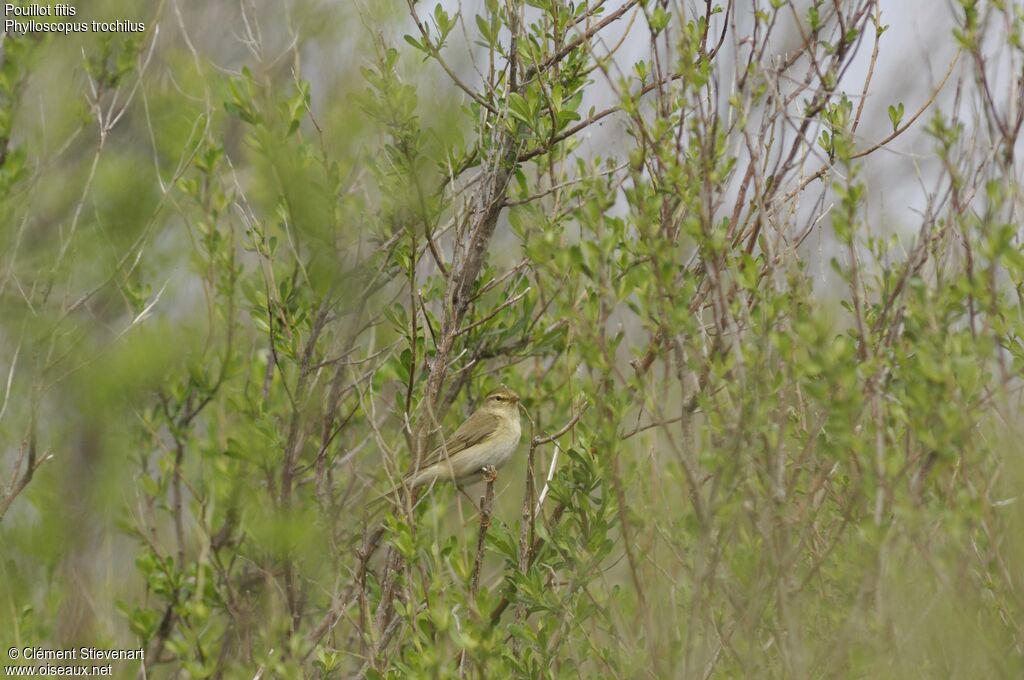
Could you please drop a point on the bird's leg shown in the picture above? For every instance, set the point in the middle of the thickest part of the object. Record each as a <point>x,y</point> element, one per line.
<point>489,473</point>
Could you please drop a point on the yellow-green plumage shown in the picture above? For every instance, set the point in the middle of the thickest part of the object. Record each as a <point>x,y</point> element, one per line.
<point>486,440</point>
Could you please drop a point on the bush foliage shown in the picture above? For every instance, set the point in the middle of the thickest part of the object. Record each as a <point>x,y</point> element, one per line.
<point>256,260</point>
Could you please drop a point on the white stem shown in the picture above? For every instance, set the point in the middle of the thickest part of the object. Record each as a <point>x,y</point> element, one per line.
<point>547,482</point>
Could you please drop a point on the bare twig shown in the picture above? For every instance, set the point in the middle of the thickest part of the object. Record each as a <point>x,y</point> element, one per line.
<point>486,506</point>
<point>27,450</point>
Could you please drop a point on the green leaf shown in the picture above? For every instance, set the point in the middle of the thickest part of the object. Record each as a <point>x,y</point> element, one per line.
<point>896,116</point>
<point>415,43</point>
<point>520,108</point>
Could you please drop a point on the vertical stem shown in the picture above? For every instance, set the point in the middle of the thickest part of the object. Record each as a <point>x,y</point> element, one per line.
<point>485,522</point>
<point>526,529</point>
<point>486,503</point>
<point>179,524</point>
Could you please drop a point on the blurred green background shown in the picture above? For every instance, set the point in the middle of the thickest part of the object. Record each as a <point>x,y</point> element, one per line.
<point>229,259</point>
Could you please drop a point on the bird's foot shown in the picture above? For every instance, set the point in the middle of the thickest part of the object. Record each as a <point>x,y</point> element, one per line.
<point>489,473</point>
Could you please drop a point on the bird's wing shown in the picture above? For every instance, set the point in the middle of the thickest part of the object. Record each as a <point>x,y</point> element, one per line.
<point>470,433</point>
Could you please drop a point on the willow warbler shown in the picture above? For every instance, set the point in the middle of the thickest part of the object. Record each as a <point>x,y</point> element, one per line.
<point>480,446</point>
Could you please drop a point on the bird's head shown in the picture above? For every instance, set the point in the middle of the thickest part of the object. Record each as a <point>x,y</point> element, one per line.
<point>502,400</point>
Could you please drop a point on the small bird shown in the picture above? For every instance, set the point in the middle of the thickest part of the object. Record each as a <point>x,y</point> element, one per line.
<point>478,448</point>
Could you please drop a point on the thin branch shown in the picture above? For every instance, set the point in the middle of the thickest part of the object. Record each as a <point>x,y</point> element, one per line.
<point>486,508</point>
<point>547,481</point>
<point>820,172</point>
<point>497,310</point>
<point>30,469</point>
<point>547,439</point>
